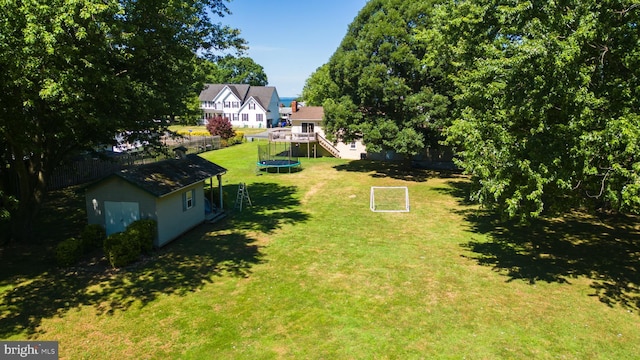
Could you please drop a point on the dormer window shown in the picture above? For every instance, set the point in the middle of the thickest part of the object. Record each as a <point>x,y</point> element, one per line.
<point>252,105</point>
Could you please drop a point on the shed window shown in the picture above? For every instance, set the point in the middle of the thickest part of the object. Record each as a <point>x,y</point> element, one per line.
<point>188,200</point>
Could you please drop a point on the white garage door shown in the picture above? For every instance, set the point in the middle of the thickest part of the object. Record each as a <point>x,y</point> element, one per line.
<point>118,215</point>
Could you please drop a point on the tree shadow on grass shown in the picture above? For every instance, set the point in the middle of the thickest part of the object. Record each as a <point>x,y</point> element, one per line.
<point>185,265</point>
<point>181,267</point>
<point>273,206</point>
<point>605,250</point>
<point>394,170</point>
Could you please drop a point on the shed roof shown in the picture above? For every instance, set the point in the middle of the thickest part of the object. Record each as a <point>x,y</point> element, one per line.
<point>164,177</point>
<point>308,113</point>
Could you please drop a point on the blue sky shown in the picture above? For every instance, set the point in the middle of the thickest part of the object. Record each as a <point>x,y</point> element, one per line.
<point>292,38</point>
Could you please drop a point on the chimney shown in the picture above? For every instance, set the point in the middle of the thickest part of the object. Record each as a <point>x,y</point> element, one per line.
<point>294,106</point>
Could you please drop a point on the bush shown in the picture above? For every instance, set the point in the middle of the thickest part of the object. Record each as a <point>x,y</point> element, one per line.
<point>69,251</point>
<point>238,139</point>
<point>193,132</point>
<point>93,236</point>
<point>121,250</point>
<point>143,232</point>
<point>220,126</point>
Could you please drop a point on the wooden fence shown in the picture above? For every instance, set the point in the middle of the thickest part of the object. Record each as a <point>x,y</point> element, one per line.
<point>85,170</point>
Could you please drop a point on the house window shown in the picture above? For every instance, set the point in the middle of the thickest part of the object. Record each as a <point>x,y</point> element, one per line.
<point>236,104</point>
<point>307,127</point>
<point>259,117</point>
<point>245,117</point>
<point>188,200</point>
<point>353,145</point>
<point>235,117</point>
<point>227,104</point>
<point>252,106</point>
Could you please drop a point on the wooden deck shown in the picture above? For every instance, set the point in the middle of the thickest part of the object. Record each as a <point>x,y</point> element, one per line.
<point>285,135</point>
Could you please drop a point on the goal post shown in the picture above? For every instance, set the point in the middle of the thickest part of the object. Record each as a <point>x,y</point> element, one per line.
<point>389,199</point>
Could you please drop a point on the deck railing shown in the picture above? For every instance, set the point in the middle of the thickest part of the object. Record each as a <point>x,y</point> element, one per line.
<point>287,136</point>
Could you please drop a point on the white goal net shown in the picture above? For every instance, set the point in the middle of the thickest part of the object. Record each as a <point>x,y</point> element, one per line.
<point>389,199</point>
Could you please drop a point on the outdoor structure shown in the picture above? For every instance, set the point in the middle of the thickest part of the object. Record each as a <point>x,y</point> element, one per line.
<point>244,105</point>
<point>389,199</point>
<point>308,137</point>
<point>274,155</point>
<point>170,192</point>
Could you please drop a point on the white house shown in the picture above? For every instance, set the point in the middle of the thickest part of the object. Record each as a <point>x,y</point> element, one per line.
<point>307,132</point>
<point>244,105</point>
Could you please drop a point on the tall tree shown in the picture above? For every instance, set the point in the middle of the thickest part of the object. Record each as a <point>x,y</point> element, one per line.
<point>385,94</point>
<point>319,87</point>
<point>548,112</point>
<point>235,70</point>
<point>76,73</point>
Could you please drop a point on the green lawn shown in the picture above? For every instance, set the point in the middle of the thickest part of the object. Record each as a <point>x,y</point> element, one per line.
<point>309,272</point>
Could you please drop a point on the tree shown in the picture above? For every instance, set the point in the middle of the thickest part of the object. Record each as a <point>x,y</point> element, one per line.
<point>375,85</point>
<point>220,126</point>
<point>235,70</point>
<point>547,115</point>
<point>319,87</point>
<point>76,73</point>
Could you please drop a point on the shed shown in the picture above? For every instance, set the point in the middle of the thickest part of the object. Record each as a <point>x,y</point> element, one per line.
<point>170,192</point>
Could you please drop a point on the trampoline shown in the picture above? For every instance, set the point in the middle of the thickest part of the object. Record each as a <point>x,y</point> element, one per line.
<point>276,156</point>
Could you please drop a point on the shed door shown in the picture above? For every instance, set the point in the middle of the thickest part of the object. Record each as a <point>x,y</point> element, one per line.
<point>118,215</point>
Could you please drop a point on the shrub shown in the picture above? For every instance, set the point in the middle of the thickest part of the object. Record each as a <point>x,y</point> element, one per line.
<point>237,139</point>
<point>143,232</point>
<point>120,249</point>
<point>220,126</point>
<point>69,251</point>
<point>193,132</point>
<point>93,236</point>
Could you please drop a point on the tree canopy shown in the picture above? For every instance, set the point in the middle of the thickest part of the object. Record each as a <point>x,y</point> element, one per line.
<point>538,99</point>
<point>547,117</point>
<point>76,73</point>
<point>375,87</point>
<point>234,70</point>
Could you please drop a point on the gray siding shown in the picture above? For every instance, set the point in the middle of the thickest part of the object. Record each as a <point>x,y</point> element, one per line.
<point>118,190</point>
<point>173,220</point>
<point>167,210</point>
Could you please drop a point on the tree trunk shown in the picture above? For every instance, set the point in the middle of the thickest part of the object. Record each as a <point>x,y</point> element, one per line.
<point>30,192</point>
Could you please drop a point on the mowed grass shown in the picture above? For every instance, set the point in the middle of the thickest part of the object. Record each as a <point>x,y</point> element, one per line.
<point>309,272</point>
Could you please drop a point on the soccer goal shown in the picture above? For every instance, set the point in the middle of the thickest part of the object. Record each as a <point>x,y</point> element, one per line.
<point>389,199</point>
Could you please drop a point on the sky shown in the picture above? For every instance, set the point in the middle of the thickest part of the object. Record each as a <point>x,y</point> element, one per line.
<point>290,39</point>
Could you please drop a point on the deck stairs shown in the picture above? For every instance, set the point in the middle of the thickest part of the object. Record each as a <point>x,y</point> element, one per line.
<point>327,145</point>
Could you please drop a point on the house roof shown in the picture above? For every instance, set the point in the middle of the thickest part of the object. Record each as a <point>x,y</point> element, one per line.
<point>164,177</point>
<point>262,94</point>
<point>309,113</point>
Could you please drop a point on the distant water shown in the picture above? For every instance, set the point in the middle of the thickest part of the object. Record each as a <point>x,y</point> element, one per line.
<point>287,101</point>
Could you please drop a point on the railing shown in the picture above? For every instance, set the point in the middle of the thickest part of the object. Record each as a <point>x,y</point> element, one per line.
<point>285,135</point>
<point>288,136</point>
<point>328,146</point>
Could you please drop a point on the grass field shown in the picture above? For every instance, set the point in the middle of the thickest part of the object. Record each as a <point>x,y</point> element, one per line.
<point>309,272</point>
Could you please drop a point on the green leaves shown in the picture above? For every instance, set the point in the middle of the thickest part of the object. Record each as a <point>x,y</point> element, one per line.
<point>78,72</point>
<point>374,85</point>
<point>540,97</point>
